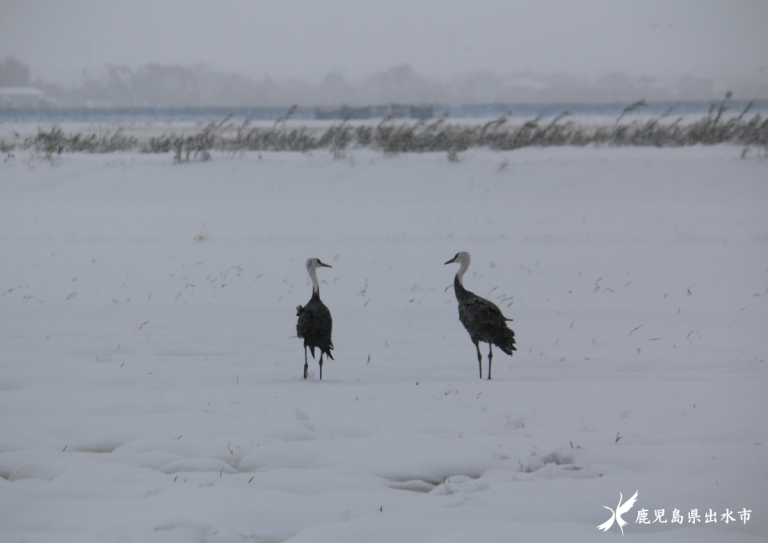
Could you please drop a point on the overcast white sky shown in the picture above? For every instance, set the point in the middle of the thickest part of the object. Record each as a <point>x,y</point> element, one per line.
<point>307,39</point>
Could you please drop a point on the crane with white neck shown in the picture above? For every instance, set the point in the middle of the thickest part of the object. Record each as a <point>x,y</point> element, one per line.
<point>315,323</point>
<point>483,319</point>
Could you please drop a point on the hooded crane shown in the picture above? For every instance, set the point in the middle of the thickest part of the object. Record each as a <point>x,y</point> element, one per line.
<point>482,319</point>
<point>315,323</point>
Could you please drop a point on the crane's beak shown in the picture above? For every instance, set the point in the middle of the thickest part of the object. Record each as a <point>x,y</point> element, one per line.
<point>451,261</point>
<point>323,265</point>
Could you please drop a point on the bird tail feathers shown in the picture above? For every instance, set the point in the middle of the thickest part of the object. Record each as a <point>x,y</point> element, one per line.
<point>325,349</point>
<point>507,342</point>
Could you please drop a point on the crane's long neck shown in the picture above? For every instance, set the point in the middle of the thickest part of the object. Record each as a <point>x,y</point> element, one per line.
<point>458,281</point>
<point>313,275</point>
<point>462,270</point>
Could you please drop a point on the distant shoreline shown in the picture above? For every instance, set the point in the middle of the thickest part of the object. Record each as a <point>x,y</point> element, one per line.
<point>633,126</point>
<point>377,113</point>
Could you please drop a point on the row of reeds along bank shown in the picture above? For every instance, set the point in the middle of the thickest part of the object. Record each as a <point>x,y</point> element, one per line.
<point>421,137</point>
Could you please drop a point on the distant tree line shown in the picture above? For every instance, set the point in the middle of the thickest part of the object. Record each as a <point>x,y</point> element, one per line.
<point>13,73</point>
<point>160,85</point>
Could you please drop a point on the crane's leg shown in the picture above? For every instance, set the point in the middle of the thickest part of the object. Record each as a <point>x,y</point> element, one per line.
<point>479,359</point>
<point>321,365</point>
<point>306,365</point>
<point>490,358</point>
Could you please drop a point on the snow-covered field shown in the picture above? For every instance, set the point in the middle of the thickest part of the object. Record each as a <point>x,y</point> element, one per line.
<point>151,382</point>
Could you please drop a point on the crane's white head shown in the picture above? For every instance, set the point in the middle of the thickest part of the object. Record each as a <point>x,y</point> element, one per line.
<point>462,257</point>
<point>312,265</point>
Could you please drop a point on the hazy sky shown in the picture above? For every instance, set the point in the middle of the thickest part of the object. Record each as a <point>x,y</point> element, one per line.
<point>307,39</point>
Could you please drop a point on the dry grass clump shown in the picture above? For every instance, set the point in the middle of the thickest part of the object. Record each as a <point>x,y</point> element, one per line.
<point>421,137</point>
<point>56,142</point>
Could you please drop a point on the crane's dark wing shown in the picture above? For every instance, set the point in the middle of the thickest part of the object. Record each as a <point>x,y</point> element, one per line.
<point>315,325</point>
<point>485,322</point>
<point>301,325</point>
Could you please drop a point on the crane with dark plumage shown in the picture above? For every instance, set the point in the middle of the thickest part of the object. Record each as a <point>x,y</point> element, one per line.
<point>482,319</point>
<point>315,323</point>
